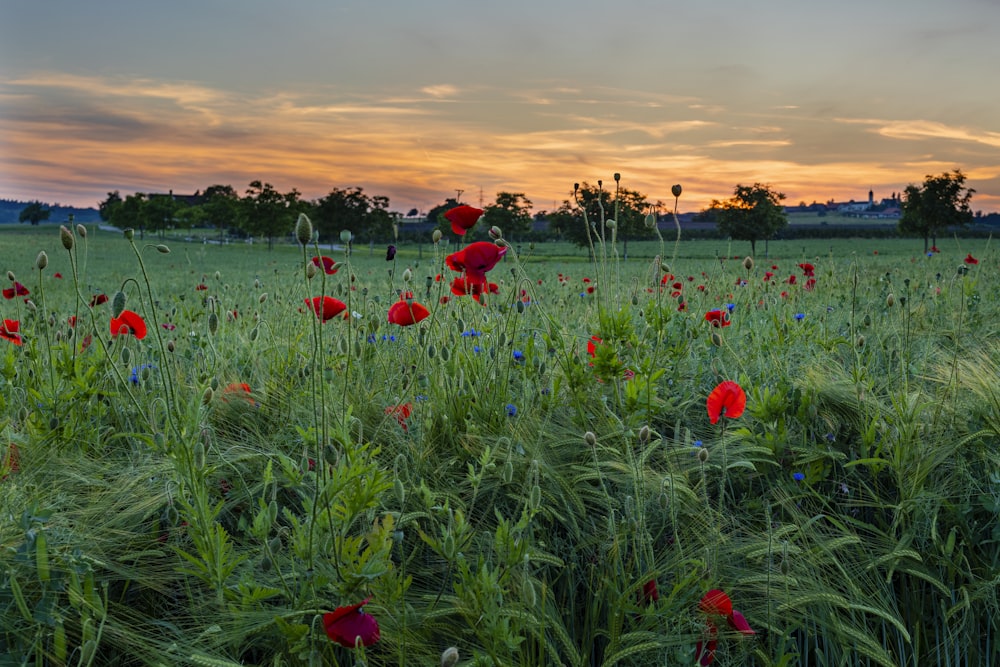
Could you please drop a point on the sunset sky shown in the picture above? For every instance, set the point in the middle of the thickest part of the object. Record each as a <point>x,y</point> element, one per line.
<point>415,99</point>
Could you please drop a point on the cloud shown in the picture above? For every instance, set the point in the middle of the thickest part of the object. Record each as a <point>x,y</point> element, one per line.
<point>440,91</point>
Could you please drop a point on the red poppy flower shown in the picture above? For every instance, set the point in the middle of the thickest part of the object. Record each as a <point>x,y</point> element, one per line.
<point>349,625</point>
<point>807,269</point>
<point>934,248</point>
<point>326,307</point>
<point>738,622</point>
<point>727,399</point>
<point>463,218</point>
<point>169,326</point>
<point>85,343</point>
<point>464,285</point>
<point>681,308</point>
<point>201,287</point>
<point>716,603</point>
<point>592,345</point>
<point>406,312</point>
<point>57,275</point>
<point>128,323</point>
<point>401,413</point>
<point>238,390</point>
<point>11,461</point>
<point>718,318</point>
<point>476,259</point>
<point>17,290</point>
<point>707,656</point>
<point>969,259</point>
<point>98,300</point>
<point>810,284</point>
<point>649,592</point>
<point>9,331</point>
<point>768,275</point>
<point>791,280</point>
<point>327,264</point>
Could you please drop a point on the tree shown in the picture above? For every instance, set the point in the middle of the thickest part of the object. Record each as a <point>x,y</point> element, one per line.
<point>107,207</point>
<point>511,213</point>
<point>941,202</point>
<point>436,214</point>
<point>266,212</point>
<point>220,207</point>
<point>353,210</point>
<point>34,213</point>
<point>161,212</point>
<point>753,213</point>
<point>632,206</point>
<point>131,212</point>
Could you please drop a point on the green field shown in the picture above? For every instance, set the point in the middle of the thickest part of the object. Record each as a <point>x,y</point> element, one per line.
<point>534,479</point>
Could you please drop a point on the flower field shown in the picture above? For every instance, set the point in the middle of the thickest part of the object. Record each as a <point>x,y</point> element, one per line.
<point>478,453</point>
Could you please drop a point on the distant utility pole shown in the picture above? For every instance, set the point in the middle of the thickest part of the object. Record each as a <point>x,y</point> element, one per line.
<point>480,196</point>
<point>458,195</point>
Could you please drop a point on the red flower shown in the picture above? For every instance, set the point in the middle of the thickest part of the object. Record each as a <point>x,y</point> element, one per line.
<point>592,345</point>
<point>401,412</point>
<point>809,284</point>
<point>476,259</point>
<point>346,627</point>
<point>57,275</point>
<point>716,604</point>
<point>707,656</point>
<point>328,265</point>
<point>808,269</point>
<point>791,280</point>
<point>98,300</point>
<point>768,275</point>
<point>71,320</point>
<point>464,285</point>
<point>727,399</point>
<point>128,323</point>
<point>406,312</point>
<point>326,307</point>
<point>969,259</point>
<point>17,290</point>
<point>718,318</point>
<point>200,287</point>
<point>9,331</point>
<point>238,390</point>
<point>649,592</point>
<point>463,218</point>
<point>11,462</point>
<point>934,248</point>
<point>169,326</point>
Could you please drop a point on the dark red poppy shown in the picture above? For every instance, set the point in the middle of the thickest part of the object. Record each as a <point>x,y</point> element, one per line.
<point>128,323</point>
<point>463,218</point>
<point>326,307</point>
<point>350,625</point>
<point>169,326</point>
<point>791,280</point>
<point>9,331</point>
<point>727,399</point>
<point>810,284</point>
<point>969,259</point>
<point>57,275</point>
<point>718,318</point>
<point>401,412</point>
<point>200,287</point>
<point>466,286</point>
<point>390,253</point>
<point>649,592</point>
<point>476,259</point>
<point>406,312</point>
<point>327,264</point>
<point>705,650</point>
<point>934,248</point>
<point>71,320</point>
<point>716,603</point>
<point>767,276</point>
<point>17,290</point>
<point>98,300</point>
<point>808,269</point>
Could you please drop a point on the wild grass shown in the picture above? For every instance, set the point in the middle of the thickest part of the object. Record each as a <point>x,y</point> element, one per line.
<point>534,490</point>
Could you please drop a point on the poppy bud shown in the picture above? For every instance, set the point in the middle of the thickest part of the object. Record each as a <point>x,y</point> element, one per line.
<point>535,497</point>
<point>716,339</point>
<point>126,355</point>
<point>31,305</point>
<point>676,190</point>
<point>450,657</point>
<point>198,455</point>
<point>42,260</point>
<point>890,300</point>
<point>436,235</point>
<point>66,237</point>
<point>508,472</point>
<point>10,276</point>
<point>748,263</point>
<point>162,249</point>
<point>664,267</point>
<point>610,224</point>
<point>702,454</point>
<point>644,434</point>
<point>346,236</point>
<point>311,271</point>
<point>407,275</point>
<point>81,230</point>
<point>213,323</point>
<point>303,229</point>
<point>496,233</point>
<point>128,233</point>
<point>399,490</point>
<point>650,221</point>
<point>861,341</point>
<point>170,346</point>
<point>590,438</point>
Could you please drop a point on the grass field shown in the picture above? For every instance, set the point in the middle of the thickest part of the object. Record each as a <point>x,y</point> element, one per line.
<point>561,472</point>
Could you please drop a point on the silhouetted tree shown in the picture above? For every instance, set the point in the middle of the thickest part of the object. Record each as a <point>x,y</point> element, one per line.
<point>753,213</point>
<point>351,209</point>
<point>942,201</point>
<point>34,213</point>
<point>511,213</point>
<point>266,212</point>
<point>630,207</point>
<point>106,208</point>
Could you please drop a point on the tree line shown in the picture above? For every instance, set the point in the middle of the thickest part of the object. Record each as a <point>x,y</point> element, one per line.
<point>753,213</point>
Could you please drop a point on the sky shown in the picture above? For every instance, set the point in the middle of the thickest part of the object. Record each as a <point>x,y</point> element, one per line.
<point>417,99</point>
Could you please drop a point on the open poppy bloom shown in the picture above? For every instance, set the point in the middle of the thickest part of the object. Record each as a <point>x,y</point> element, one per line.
<point>238,390</point>
<point>17,290</point>
<point>9,331</point>
<point>718,318</point>
<point>463,218</point>
<point>592,345</point>
<point>463,285</point>
<point>407,312</point>
<point>649,592</point>
<point>727,399</point>
<point>476,259</point>
<point>327,264</point>
<point>969,259</point>
<point>98,300</point>
<point>326,307</point>
<point>401,412</point>
<point>349,625</point>
<point>200,287</point>
<point>717,605</point>
<point>808,269</point>
<point>128,323</point>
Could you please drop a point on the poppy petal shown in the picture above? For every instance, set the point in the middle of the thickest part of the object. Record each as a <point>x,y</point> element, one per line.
<point>728,399</point>
<point>738,621</point>
<point>716,603</point>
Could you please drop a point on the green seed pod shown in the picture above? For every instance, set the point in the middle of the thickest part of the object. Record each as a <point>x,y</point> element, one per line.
<point>66,237</point>
<point>42,260</point>
<point>676,190</point>
<point>126,356</point>
<point>399,490</point>
<point>207,396</point>
<point>508,472</point>
<point>117,304</point>
<point>431,351</point>
<point>535,498</point>
<point>303,229</point>
<point>128,233</point>
<point>198,455</point>
<point>162,249</point>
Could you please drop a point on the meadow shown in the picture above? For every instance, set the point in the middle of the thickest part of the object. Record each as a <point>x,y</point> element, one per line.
<point>560,471</point>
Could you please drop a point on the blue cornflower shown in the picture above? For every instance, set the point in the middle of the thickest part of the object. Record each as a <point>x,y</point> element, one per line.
<point>830,437</point>
<point>798,476</point>
<point>800,316</point>
<point>471,333</point>
<point>695,446</point>
<point>518,355</point>
<point>511,410</point>
<point>477,349</point>
<point>930,254</point>
<point>730,307</point>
